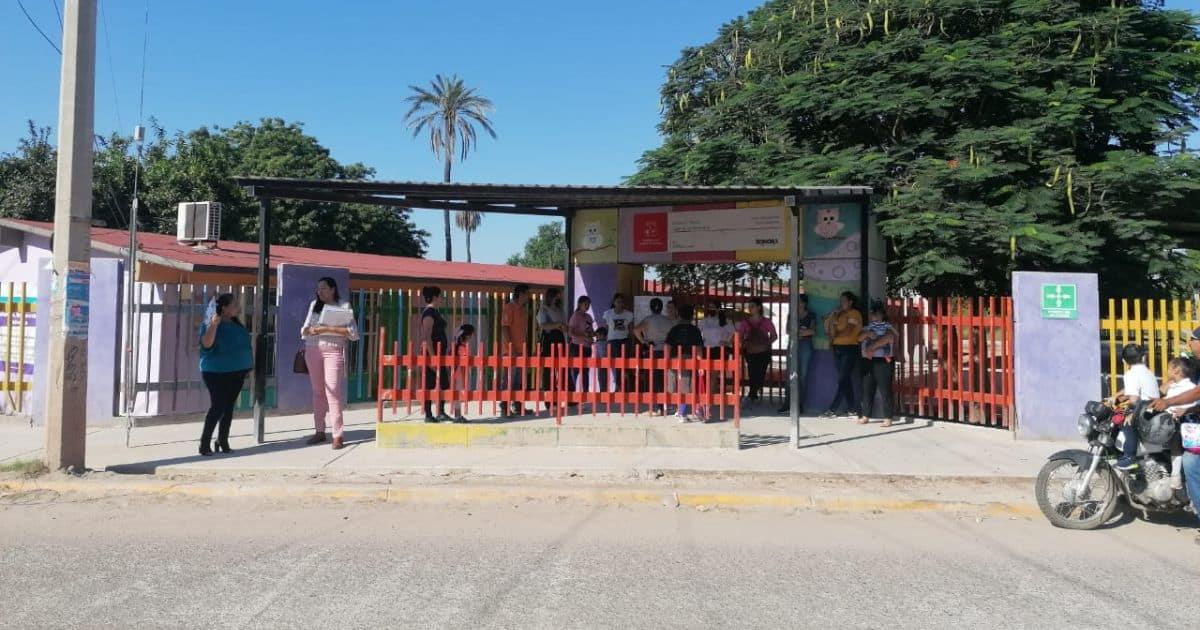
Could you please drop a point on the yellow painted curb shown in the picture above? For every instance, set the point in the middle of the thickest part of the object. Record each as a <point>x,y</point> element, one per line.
<point>496,494</point>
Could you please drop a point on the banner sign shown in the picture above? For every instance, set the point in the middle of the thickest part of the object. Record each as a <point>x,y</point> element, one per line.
<point>745,232</point>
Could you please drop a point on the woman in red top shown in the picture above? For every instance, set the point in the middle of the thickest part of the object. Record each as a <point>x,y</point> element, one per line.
<point>758,336</point>
<point>459,379</point>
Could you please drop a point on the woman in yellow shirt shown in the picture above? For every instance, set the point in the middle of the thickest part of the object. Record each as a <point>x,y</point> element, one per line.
<point>844,327</point>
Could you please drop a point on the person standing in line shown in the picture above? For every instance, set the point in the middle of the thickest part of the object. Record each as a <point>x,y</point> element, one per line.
<point>552,329</point>
<point>325,356</point>
<point>434,342</point>
<point>460,377</point>
<point>619,322</point>
<point>802,348</point>
<point>582,332</point>
<point>878,340</point>
<point>758,336</point>
<point>225,358</point>
<point>844,327</point>
<point>651,332</point>
<point>514,339</point>
<point>683,340</point>
<point>718,332</point>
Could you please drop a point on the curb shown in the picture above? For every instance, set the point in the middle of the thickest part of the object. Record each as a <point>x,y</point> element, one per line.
<point>441,494</point>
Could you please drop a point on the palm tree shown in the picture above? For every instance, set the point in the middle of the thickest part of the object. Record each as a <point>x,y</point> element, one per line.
<point>468,221</point>
<point>450,111</point>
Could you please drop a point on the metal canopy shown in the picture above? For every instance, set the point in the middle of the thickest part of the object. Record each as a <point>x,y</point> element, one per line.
<point>532,199</point>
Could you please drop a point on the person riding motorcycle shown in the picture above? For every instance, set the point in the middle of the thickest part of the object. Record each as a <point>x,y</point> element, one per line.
<point>1191,459</point>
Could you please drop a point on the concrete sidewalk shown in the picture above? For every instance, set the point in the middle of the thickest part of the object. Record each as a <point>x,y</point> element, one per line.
<point>834,448</point>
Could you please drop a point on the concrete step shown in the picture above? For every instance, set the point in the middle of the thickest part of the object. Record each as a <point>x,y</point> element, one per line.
<point>422,435</point>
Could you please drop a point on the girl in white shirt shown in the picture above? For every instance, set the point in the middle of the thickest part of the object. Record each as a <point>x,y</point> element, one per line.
<point>619,322</point>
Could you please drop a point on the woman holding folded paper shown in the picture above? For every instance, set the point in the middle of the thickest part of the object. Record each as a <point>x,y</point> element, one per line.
<point>328,328</point>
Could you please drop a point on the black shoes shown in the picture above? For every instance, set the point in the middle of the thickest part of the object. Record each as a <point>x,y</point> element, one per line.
<point>204,449</point>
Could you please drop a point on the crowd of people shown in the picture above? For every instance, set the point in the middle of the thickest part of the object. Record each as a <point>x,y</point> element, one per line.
<point>863,348</point>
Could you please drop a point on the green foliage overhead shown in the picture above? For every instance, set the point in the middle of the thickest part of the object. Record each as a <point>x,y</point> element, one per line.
<point>199,166</point>
<point>999,135</point>
<point>546,250</point>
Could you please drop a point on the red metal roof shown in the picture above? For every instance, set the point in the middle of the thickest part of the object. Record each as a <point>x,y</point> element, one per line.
<point>238,257</point>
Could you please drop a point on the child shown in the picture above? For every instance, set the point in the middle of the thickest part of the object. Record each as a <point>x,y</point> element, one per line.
<point>1180,376</point>
<point>1140,385</point>
<point>458,380</point>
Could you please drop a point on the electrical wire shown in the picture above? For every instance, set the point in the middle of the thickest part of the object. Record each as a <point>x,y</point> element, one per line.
<point>58,13</point>
<point>112,72</point>
<point>38,28</point>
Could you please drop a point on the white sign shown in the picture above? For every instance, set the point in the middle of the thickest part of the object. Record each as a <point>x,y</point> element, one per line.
<point>727,230</point>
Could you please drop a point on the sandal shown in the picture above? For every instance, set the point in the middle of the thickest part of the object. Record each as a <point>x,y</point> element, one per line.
<point>863,420</point>
<point>887,423</point>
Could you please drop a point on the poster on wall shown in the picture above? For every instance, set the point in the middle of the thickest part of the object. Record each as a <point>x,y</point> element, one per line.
<point>594,236</point>
<point>832,231</point>
<point>79,283</point>
<point>753,231</point>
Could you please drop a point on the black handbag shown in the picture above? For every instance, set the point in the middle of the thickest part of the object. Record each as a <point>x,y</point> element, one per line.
<point>299,365</point>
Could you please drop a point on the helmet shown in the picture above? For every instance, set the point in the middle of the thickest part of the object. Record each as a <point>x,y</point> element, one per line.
<point>1098,410</point>
<point>1155,429</point>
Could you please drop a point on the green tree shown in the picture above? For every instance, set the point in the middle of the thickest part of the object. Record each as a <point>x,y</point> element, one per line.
<point>200,165</point>
<point>546,250</point>
<point>998,134</point>
<point>449,111</point>
<point>468,221</point>
<point>27,177</point>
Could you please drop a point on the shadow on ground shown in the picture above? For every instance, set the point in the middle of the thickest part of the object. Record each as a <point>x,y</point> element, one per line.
<point>351,437</point>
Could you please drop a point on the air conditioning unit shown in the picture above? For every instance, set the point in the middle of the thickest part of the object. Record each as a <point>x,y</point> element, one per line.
<point>199,221</point>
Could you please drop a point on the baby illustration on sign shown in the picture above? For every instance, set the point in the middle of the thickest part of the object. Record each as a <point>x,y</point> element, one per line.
<point>593,238</point>
<point>829,224</point>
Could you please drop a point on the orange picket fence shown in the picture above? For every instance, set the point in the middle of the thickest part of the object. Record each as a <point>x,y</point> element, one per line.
<point>560,381</point>
<point>955,359</point>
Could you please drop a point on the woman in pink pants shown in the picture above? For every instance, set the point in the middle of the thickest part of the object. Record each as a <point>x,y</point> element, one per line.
<point>326,331</point>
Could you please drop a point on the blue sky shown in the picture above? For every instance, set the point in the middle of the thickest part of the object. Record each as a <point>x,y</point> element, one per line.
<point>575,84</point>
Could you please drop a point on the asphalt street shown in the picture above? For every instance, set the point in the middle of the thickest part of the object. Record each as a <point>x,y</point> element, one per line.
<point>186,563</point>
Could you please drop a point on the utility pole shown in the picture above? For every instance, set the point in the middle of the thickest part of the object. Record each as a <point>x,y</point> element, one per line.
<point>66,398</point>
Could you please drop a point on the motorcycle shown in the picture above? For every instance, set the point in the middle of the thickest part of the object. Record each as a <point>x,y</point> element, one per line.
<point>1079,489</point>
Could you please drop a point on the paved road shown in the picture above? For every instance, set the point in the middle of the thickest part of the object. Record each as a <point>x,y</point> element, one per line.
<point>144,563</point>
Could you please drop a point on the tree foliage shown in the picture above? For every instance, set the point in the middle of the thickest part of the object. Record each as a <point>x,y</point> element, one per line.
<point>546,250</point>
<point>449,112</point>
<point>199,165</point>
<point>999,135</point>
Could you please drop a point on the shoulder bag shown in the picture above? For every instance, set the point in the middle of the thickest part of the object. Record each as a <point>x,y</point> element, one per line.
<point>299,365</point>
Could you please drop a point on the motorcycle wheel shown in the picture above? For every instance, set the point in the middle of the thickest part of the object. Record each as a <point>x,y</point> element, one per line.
<point>1065,506</point>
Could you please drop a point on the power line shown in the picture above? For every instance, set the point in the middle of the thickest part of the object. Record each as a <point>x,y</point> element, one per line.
<point>145,47</point>
<point>58,13</point>
<point>112,71</point>
<point>38,28</point>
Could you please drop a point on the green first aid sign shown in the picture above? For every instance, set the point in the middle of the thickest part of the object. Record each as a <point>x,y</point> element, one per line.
<point>1059,301</point>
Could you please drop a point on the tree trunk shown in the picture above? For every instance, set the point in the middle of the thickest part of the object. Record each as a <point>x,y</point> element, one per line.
<point>446,215</point>
<point>468,244</point>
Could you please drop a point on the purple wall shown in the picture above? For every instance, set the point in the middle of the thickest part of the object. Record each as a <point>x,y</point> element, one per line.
<point>297,286</point>
<point>104,339</point>
<point>1056,359</point>
<point>41,343</point>
<point>104,342</point>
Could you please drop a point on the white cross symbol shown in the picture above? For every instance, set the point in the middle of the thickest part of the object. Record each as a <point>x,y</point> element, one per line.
<point>1058,296</point>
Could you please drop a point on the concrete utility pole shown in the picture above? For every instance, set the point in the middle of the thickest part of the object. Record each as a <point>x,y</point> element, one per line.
<point>66,398</point>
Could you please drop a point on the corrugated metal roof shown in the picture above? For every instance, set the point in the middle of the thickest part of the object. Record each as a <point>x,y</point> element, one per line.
<point>533,198</point>
<point>239,257</point>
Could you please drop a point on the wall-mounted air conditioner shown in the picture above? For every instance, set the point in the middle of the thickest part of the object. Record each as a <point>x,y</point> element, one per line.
<point>199,221</point>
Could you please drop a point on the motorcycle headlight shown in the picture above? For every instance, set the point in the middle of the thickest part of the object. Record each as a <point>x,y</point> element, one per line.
<point>1085,425</point>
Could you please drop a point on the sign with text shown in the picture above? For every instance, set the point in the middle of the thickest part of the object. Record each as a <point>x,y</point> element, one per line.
<point>724,230</point>
<point>1059,301</point>
<point>650,232</point>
